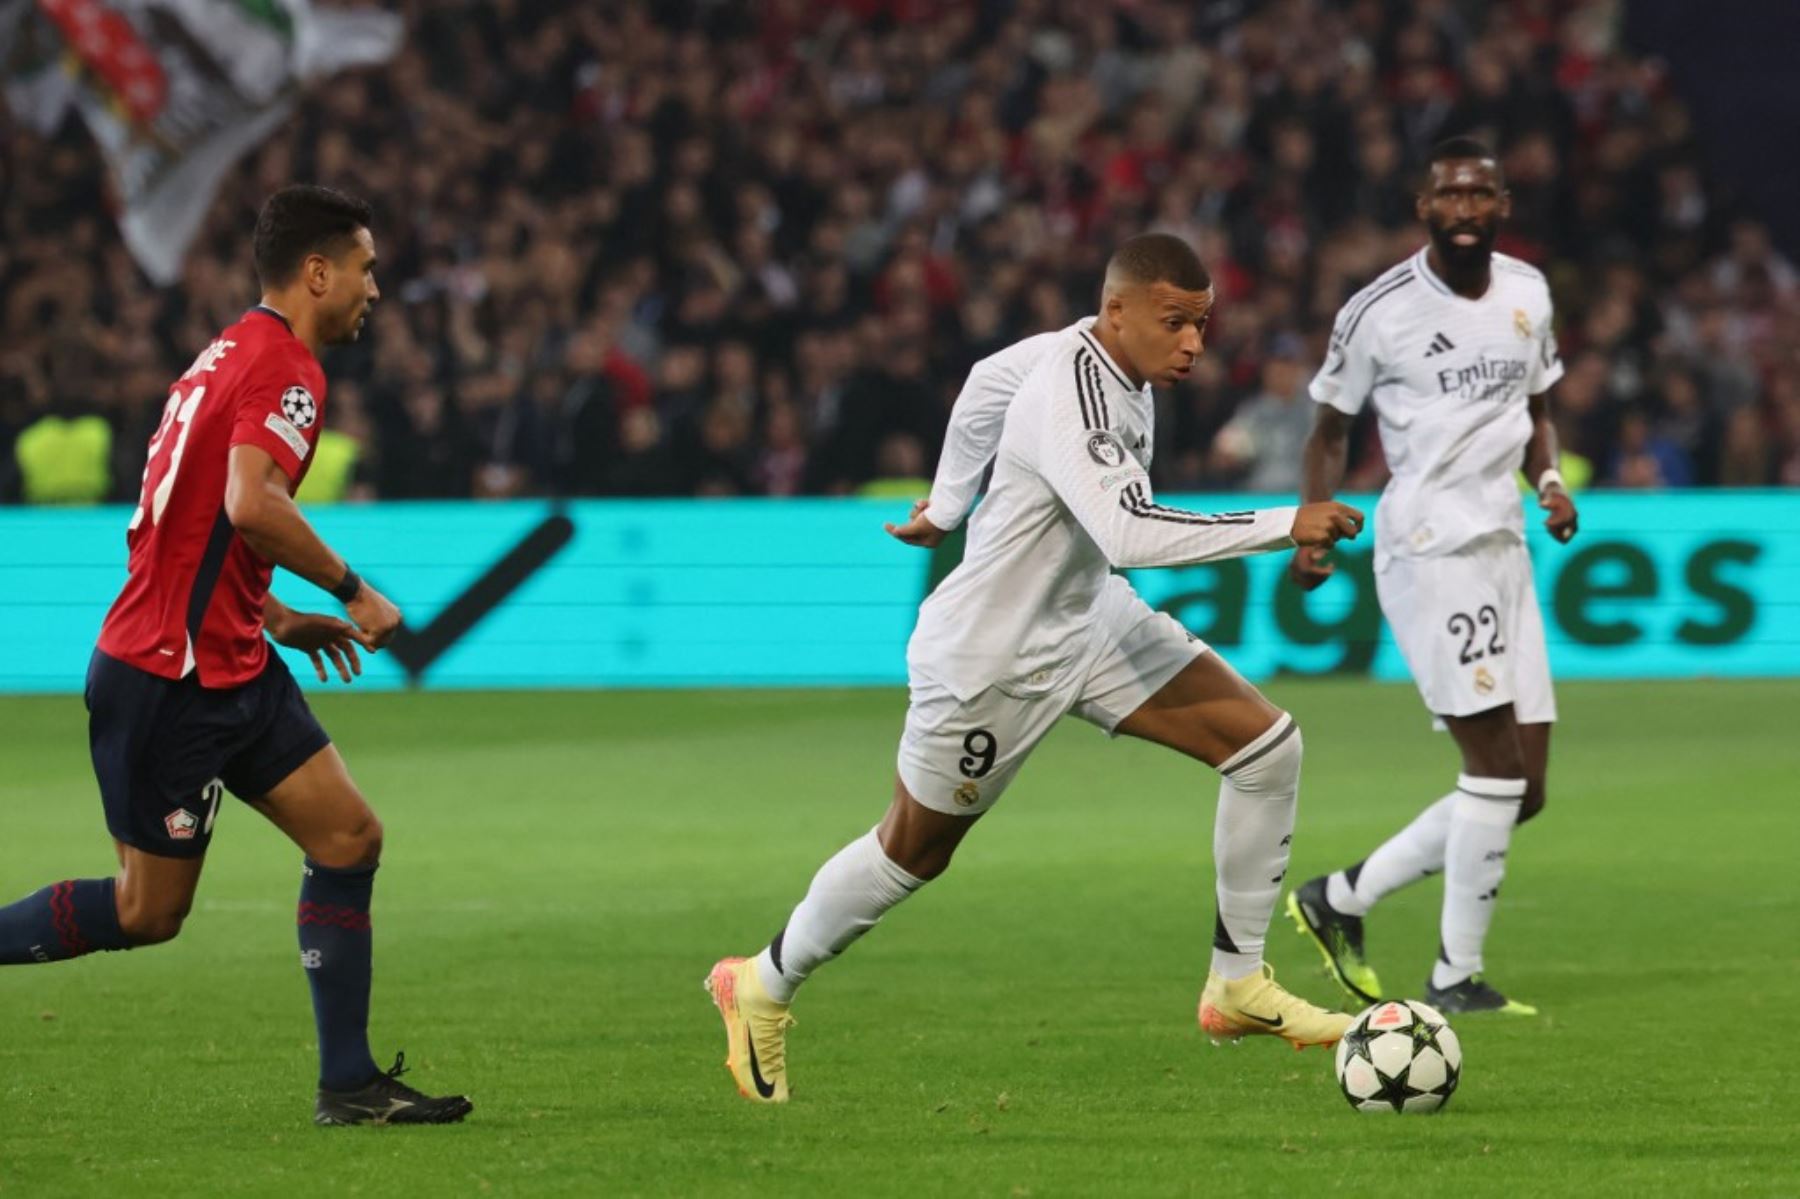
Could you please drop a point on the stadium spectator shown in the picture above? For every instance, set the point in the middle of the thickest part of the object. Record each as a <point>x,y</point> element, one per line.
<point>1259,447</point>
<point>639,248</point>
<point>1645,459</point>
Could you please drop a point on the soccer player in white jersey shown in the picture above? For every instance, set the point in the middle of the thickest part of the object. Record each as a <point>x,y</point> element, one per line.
<point>1454,347</point>
<point>1034,624</point>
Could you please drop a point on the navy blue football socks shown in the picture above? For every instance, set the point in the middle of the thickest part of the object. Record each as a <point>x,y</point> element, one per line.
<point>64,920</point>
<point>335,949</point>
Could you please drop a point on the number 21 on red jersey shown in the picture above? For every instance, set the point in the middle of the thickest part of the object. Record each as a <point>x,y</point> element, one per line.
<point>177,418</point>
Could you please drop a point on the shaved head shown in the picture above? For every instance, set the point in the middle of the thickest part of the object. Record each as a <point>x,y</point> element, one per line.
<point>1456,149</point>
<point>1157,258</point>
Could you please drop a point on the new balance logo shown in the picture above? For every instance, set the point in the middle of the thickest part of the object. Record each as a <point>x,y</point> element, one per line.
<point>1439,344</point>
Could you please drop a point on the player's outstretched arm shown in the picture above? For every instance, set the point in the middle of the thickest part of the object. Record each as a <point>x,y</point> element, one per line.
<point>1110,494</point>
<point>1542,453</point>
<point>259,507</point>
<point>1322,466</point>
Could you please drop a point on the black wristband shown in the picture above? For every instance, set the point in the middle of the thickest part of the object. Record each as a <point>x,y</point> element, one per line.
<point>346,590</point>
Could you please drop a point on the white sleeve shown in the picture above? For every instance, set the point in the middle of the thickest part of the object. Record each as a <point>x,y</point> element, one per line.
<point>1349,372</point>
<point>1080,455</point>
<point>1546,364</point>
<point>975,426</point>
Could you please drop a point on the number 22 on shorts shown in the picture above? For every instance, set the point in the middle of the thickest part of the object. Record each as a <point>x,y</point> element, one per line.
<point>1463,625</point>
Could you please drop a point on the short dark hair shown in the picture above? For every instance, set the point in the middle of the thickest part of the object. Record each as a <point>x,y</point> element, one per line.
<point>301,220</point>
<point>1454,148</point>
<point>1159,258</point>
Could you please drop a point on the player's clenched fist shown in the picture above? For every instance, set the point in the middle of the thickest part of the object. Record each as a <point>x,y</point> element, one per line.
<point>375,616</point>
<point>1561,521</point>
<point>1326,523</point>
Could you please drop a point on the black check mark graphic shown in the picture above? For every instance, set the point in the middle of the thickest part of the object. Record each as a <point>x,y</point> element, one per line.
<point>1275,1023</point>
<point>417,649</point>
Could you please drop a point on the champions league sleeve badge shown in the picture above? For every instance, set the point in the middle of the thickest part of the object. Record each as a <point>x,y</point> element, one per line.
<point>297,405</point>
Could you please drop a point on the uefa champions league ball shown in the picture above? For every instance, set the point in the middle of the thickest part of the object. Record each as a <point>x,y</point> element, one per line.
<point>1399,1056</point>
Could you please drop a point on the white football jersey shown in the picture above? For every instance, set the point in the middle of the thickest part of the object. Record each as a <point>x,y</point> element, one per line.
<point>1451,379</point>
<point>1069,500</point>
<point>976,421</point>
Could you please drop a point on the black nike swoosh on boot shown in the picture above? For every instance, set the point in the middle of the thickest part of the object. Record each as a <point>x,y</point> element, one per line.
<point>1275,1023</point>
<point>764,1087</point>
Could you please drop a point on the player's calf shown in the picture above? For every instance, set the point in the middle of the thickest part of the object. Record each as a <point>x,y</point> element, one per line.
<point>1253,831</point>
<point>62,921</point>
<point>337,954</point>
<point>848,897</point>
<point>1481,827</point>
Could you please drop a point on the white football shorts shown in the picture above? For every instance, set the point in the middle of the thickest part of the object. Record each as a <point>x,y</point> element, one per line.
<point>958,757</point>
<point>1469,627</point>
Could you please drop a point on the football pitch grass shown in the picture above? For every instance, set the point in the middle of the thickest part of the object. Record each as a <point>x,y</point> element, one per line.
<point>562,869</point>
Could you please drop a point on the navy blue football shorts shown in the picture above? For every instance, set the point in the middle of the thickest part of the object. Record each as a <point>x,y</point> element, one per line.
<point>166,750</point>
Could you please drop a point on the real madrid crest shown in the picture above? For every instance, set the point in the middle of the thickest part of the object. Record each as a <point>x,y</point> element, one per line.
<point>1522,324</point>
<point>1484,682</point>
<point>967,795</point>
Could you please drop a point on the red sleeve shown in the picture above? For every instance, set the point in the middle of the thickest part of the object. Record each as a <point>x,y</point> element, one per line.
<point>279,410</point>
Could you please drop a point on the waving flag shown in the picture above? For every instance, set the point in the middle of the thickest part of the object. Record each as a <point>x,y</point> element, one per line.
<point>175,91</point>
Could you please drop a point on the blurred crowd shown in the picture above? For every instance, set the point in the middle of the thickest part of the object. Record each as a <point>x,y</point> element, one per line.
<point>752,248</point>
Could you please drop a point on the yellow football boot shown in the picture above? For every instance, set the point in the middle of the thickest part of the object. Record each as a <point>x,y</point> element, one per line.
<point>755,1030</point>
<point>1257,1006</point>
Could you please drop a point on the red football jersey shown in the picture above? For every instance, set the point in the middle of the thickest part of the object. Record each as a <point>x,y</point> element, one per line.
<point>194,597</point>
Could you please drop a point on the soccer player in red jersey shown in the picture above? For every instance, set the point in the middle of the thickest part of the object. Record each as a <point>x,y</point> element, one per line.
<point>185,699</point>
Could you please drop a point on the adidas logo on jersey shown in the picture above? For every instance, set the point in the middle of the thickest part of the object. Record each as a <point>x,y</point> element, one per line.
<point>1439,344</point>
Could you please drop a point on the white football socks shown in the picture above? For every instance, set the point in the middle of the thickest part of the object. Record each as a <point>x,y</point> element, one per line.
<point>1481,827</point>
<point>1413,853</point>
<point>848,895</point>
<point>1258,791</point>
